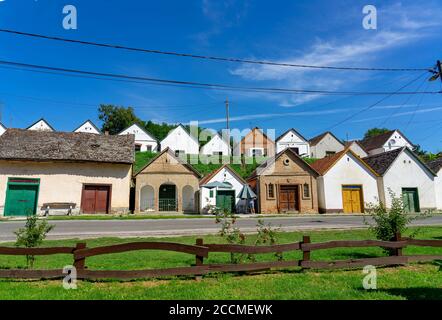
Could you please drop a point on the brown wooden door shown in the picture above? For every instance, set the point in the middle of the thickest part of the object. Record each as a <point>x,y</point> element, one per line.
<point>288,198</point>
<point>95,199</point>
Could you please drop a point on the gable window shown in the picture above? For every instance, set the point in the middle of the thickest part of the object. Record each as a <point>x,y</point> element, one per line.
<point>179,152</point>
<point>254,152</point>
<point>329,153</point>
<point>270,191</point>
<point>306,191</point>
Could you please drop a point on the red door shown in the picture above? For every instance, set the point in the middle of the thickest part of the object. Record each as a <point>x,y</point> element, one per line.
<point>95,199</point>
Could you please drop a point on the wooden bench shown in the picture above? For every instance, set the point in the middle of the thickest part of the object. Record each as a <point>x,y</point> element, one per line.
<point>47,207</point>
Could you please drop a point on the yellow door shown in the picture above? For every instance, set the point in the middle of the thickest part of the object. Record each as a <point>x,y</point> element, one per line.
<point>346,196</point>
<point>352,199</point>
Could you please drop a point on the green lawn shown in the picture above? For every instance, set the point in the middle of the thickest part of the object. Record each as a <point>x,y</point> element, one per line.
<point>417,281</point>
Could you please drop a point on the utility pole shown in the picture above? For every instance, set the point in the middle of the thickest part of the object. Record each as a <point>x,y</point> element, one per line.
<point>227,123</point>
<point>227,113</point>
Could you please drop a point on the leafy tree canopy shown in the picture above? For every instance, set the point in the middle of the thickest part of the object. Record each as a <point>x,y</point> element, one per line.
<point>117,118</point>
<point>373,132</point>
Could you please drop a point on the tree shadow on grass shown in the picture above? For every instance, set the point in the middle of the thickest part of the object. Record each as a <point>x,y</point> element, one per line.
<point>357,255</point>
<point>418,293</point>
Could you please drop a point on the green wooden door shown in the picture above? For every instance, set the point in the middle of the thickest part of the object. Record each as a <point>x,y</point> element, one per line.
<point>21,198</point>
<point>225,200</point>
<point>411,199</point>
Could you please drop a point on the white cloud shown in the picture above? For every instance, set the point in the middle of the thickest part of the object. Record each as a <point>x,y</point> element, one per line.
<point>401,26</point>
<point>273,115</point>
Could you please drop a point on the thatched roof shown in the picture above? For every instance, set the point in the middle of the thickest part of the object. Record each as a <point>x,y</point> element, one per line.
<point>18,144</point>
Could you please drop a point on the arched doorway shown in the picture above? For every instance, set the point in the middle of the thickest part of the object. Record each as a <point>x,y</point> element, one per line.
<point>167,200</point>
<point>188,199</point>
<point>147,198</point>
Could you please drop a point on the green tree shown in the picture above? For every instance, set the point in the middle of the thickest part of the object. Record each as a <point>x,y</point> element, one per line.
<point>159,130</point>
<point>373,132</point>
<point>117,118</point>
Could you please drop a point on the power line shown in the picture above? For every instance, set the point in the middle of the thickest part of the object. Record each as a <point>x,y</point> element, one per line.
<point>100,75</point>
<point>205,57</point>
<point>373,104</point>
<point>416,109</point>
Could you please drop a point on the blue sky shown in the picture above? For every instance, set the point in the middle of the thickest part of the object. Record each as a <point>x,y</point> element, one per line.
<point>311,32</point>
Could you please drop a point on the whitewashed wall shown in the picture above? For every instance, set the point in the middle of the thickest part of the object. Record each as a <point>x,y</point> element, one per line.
<point>40,125</point>
<point>396,141</point>
<point>224,175</point>
<point>180,139</point>
<point>2,129</point>
<point>87,127</point>
<point>358,150</point>
<point>328,143</point>
<point>292,140</point>
<point>216,144</point>
<point>406,172</point>
<point>347,171</point>
<point>438,189</point>
<point>142,138</point>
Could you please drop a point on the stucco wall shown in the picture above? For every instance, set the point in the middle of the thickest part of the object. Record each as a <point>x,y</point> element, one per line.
<point>347,171</point>
<point>179,139</point>
<point>216,144</point>
<point>406,172</point>
<point>438,189</point>
<point>283,172</point>
<point>237,185</point>
<point>166,170</point>
<point>358,150</point>
<point>141,138</point>
<point>328,143</point>
<point>292,140</point>
<point>63,182</point>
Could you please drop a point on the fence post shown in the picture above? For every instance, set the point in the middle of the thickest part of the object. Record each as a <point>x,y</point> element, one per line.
<point>199,260</point>
<point>398,237</point>
<point>305,253</point>
<point>79,264</point>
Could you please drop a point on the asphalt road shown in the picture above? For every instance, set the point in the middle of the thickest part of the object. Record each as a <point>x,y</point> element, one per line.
<point>68,229</point>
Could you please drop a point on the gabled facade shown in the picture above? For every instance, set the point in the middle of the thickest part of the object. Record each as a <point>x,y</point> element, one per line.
<point>180,141</point>
<point>216,146</point>
<point>255,144</point>
<point>221,189</point>
<point>357,148</point>
<point>41,125</point>
<point>41,168</point>
<point>293,139</point>
<point>402,172</point>
<point>167,184</point>
<point>88,127</point>
<point>325,144</point>
<point>2,128</point>
<point>144,141</point>
<point>388,141</point>
<point>436,166</point>
<point>346,183</point>
<point>285,183</point>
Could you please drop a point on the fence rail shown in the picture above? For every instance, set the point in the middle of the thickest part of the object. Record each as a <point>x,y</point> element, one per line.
<point>201,251</point>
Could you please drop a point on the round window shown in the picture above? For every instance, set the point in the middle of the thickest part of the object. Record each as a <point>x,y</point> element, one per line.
<point>286,162</point>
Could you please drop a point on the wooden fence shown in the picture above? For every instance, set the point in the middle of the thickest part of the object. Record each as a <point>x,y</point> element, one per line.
<point>201,251</point>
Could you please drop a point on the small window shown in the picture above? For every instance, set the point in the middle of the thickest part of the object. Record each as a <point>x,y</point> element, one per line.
<point>306,190</point>
<point>179,152</point>
<point>217,153</point>
<point>149,148</point>
<point>329,153</point>
<point>256,152</point>
<point>138,147</point>
<point>211,193</point>
<point>271,191</point>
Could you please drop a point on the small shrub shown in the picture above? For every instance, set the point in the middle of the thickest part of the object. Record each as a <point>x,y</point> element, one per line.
<point>267,235</point>
<point>32,235</point>
<point>233,235</point>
